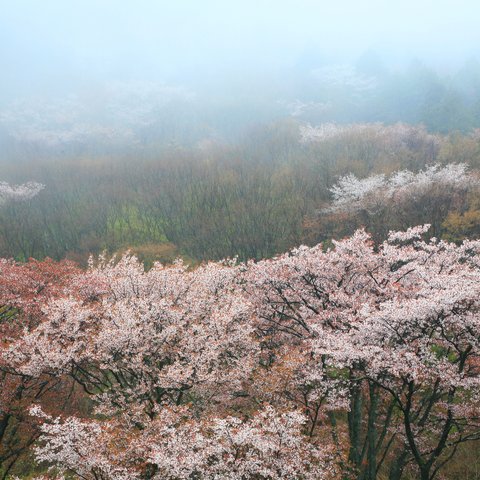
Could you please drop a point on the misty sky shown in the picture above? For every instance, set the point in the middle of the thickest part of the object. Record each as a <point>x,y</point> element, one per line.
<point>59,42</point>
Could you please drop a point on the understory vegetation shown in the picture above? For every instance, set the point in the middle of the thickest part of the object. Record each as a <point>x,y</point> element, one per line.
<point>253,198</point>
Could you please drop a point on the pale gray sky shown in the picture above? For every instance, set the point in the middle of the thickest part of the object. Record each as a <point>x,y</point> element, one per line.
<point>50,42</point>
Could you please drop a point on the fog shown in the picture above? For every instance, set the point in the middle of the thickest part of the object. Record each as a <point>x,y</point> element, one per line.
<point>224,66</point>
<point>239,239</point>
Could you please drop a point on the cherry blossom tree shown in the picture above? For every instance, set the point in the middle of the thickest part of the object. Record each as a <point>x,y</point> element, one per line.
<point>17,193</point>
<point>145,338</point>
<point>362,359</point>
<point>269,444</point>
<point>392,137</point>
<point>24,290</point>
<point>399,326</point>
<point>371,193</point>
<point>146,343</point>
<point>398,201</point>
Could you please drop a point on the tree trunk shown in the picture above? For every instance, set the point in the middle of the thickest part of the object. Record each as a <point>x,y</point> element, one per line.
<point>371,472</point>
<point>354,426</point>
<point>396,469</point>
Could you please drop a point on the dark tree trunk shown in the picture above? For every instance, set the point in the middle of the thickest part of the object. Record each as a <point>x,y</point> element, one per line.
<point>355,426</point>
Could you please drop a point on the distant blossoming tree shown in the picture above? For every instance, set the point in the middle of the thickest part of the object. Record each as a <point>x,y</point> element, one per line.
<point>392,137</point>
<point>351,194</point>
<point>22,192</point>
<point>383,202</point>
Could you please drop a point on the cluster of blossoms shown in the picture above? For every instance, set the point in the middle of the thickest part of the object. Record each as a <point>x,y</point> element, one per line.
<point>80,132</point>
<point>351,194</point>
<point>299,108</point>
<point>345,76</point>
<point>248,371</point>
<point>392,136</point>
<point>270,444</point>
<point>74,119</point>
<point>22,192</point>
